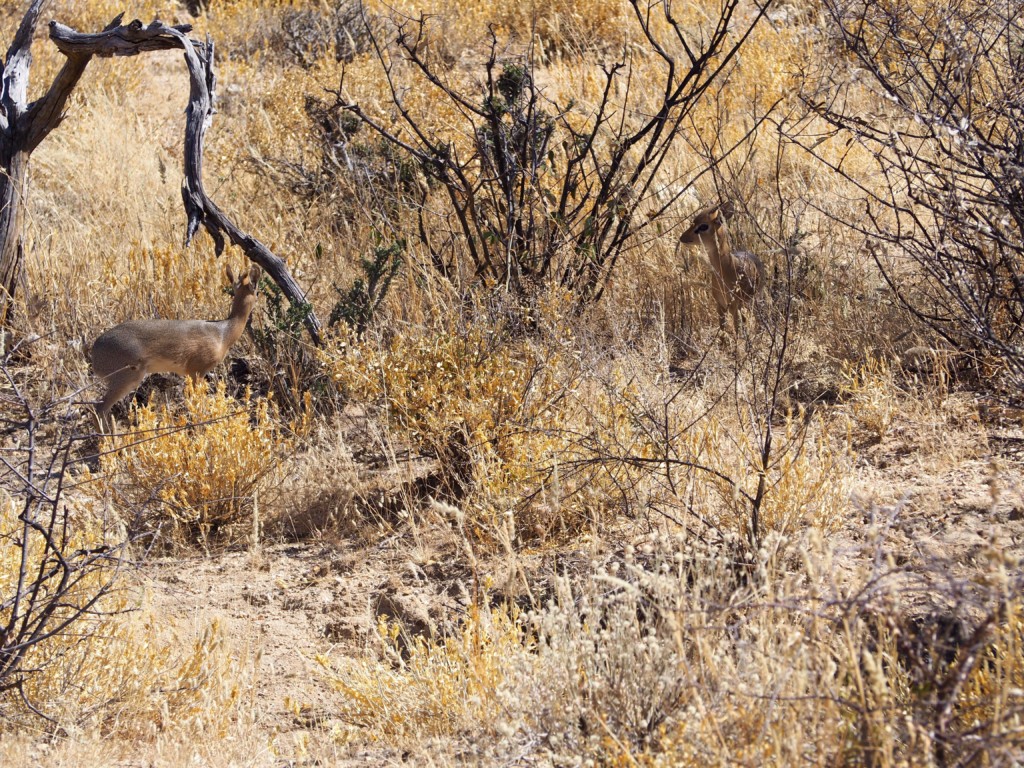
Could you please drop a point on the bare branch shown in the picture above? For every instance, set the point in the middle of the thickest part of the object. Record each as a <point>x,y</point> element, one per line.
<point>25,126</point>
<point>949,195</point>
<point>130,40</point>
<point>200,208</point>
<point>19,62</point>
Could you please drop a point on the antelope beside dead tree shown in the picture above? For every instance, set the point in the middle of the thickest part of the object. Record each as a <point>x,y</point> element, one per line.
<point>127,353</point>
<point>736,276</point>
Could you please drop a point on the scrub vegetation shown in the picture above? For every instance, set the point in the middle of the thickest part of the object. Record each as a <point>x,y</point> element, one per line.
<point>521,500</point>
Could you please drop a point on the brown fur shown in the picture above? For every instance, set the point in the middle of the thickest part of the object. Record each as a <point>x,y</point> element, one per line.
<point>129,352</point>
<point>736,276</point>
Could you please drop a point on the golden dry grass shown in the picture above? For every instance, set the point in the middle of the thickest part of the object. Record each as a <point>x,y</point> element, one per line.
<point>626,444</point>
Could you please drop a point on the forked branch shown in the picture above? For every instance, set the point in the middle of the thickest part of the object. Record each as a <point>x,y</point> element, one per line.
<point>135,38</point>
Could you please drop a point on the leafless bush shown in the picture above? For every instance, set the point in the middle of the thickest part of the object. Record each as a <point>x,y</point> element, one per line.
<point>946,222</point>
<point>353,172</point>
<point>342,29</point>
<point>305,35</point>
<point>58,561</point>
<point>541,192</point>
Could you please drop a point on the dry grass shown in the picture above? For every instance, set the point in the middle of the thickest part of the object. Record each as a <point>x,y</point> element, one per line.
<point>638,664</point>
<point>123,671</point>
<point>626,444</point>
<point>197,473</point>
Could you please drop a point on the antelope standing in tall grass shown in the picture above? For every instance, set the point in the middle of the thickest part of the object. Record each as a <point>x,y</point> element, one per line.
<point>736,276</point>
<point>127,353</point>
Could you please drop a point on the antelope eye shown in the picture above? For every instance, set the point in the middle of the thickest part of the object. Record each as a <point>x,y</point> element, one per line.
<point>702,228</point>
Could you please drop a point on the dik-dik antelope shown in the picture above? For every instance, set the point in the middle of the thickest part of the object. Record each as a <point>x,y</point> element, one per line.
<point>736,276</point>
<point>129,352</point>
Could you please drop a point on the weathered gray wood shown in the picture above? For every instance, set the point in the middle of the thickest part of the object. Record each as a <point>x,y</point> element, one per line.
<point>199,208</point>
<point>23,126</point>
<point>19,61</point>
<point>13,155</point>
<point>13,185</point>
<point>116,39</point>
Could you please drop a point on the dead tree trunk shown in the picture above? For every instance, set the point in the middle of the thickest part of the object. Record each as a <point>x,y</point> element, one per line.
<point>13,183</point>
<point>23,126</point>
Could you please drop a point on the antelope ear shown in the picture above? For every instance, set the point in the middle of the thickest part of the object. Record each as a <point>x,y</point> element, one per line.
<point>727,209</point>
<point>254,274</point>
<point>229,274</point>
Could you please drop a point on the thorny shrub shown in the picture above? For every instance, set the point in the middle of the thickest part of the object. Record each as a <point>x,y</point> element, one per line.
<point>201,467</point>
<point>359,305</point>
<point>46,589</point>
<point>524,212</point>
<point>300,33</point>
<point>286,368</point>
<point>941,214</point>
<point>114,669</point>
